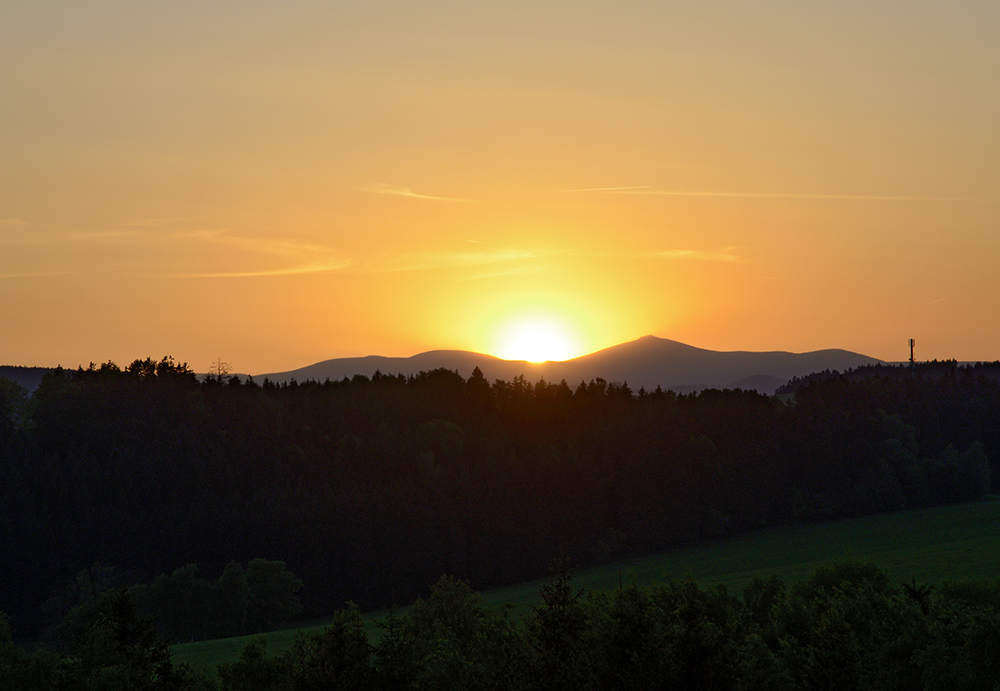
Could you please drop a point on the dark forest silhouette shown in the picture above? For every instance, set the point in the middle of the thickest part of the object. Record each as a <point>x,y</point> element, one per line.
<point>370,488</point>
<point>847,626</point>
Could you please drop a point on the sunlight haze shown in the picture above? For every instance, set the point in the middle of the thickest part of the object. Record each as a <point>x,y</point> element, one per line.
<point>279,184</point>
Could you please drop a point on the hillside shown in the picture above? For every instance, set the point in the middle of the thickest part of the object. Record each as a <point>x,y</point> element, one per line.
<point>929,545</point>
<point>28,377</point>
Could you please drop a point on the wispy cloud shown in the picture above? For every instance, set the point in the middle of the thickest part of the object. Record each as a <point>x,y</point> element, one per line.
<point>647,190</point>
<point>287,271</point>
<point>630,188</point>
<point>4,222</point>
<point>726,254</point>
<point>524,270</point>
<point>298,257</point>
<point>159,222</point>
<point>398,191</point>
<point>427,261</point>
<point>317,259</point>
<point>156,247</point>
<point>36,274</point>
<point>261,245</point>
<point>67,237</point>
<point>106,235</point>
<point>283,247</point>
<point>791,195</point>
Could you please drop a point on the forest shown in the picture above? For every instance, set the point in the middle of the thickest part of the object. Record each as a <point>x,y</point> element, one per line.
<point>368,489</point>
<point>847,627</point>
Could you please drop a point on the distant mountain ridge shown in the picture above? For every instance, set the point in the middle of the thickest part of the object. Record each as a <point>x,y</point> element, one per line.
<point>28,377</point>
<point>646,362</point>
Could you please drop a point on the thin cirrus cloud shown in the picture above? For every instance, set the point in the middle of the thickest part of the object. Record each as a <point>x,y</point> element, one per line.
<point>629,188</point>
<point>328,261</point>
<point>726,254</point>
<point>313,268</point>
<point>159,222</point>
<point>430,261</point>
<point>147,247</point>
<point>295,257</point>
<point>273,257</point>
<point>398,191</point>
<point>523,270</point>
<point>35,274</point>
<point>252,244</point>
<point>299,258</point>
<point>647,190</point>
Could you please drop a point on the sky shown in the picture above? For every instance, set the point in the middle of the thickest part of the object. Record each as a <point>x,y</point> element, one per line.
<point>275,184</point>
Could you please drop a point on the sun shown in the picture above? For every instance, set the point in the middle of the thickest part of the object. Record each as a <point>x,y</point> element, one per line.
<point>537,338</point>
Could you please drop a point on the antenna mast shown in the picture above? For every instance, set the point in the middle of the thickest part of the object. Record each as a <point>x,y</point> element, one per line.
<point>912,343</point>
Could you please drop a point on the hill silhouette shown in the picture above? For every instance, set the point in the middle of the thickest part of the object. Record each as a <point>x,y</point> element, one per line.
<point>28,377</point>
<point>646,362</point>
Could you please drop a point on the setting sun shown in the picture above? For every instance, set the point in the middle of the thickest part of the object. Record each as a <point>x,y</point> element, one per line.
<point>537,338</point>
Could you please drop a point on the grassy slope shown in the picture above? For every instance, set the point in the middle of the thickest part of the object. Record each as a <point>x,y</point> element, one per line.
<point>931,545</point>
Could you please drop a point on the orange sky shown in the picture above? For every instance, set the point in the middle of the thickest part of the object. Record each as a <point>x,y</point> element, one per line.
<point>277,184</point>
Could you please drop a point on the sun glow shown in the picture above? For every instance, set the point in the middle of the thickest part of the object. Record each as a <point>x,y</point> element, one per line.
<point>537,338</point>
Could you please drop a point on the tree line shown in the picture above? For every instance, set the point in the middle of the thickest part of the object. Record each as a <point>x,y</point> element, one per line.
<point>369,488</point>
<point>182,605</point>
<point>847,627</point>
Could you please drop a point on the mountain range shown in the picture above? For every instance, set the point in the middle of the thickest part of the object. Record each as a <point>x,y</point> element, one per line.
<point>647,362</point>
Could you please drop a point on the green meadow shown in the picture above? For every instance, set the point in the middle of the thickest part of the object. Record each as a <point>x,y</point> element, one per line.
<point>959,542</point>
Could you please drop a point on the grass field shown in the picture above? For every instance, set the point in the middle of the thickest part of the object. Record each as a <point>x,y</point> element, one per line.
<point>931,545</point>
